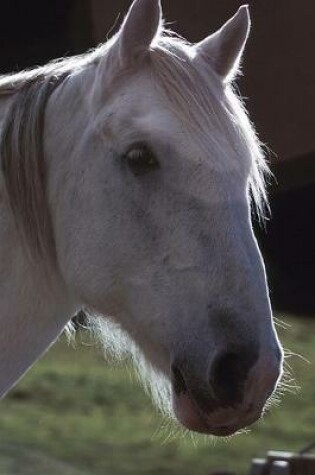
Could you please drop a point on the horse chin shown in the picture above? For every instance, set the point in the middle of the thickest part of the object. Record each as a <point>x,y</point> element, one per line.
<point>220,423</point>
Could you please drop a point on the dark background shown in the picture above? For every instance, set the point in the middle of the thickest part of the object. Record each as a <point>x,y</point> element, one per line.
<point>279,80</point>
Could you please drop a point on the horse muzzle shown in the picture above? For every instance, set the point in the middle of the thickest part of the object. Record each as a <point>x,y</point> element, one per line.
<point>238,385</point>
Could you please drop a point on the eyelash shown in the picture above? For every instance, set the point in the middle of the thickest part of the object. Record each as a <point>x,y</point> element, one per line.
<point>141,160</point>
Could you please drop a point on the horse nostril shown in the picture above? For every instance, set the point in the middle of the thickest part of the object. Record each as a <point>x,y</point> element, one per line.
<point>228,375</point>
<point>179,383</point>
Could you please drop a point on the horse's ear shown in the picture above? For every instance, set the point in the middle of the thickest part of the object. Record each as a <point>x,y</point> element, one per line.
<point>139,28</point>
<point>224,48</point>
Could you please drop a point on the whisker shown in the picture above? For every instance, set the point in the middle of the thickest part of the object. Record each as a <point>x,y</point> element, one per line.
<point>281,323</point>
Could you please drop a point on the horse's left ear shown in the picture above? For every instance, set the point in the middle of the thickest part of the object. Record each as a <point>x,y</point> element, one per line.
<point>224,48</point>
<point>139,28</point>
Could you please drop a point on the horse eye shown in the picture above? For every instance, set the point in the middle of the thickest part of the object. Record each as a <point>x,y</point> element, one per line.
<point>141,160</point>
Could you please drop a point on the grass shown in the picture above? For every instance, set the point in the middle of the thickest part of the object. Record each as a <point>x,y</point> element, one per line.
<point>74,414</point>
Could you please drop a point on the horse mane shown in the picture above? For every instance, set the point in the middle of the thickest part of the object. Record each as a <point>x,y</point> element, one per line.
<point>195,96</point>
<point>189,91</point>
<point>22,151</point>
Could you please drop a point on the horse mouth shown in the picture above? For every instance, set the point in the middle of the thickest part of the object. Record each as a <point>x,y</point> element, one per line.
<point>208,416</point>
<point>221,422</point>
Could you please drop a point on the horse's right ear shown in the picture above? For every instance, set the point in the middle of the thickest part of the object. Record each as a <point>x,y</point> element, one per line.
<point>139,29</point>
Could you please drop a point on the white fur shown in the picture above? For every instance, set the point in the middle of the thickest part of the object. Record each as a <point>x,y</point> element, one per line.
<point>163,255</point>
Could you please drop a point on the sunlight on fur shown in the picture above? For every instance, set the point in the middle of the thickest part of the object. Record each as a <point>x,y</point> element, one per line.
<point>117,344</point>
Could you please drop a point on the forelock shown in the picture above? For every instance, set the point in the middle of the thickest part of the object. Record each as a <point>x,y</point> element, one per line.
<point>196,94</point>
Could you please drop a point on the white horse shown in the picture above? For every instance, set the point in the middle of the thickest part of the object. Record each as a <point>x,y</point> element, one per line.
<point>127,176</point>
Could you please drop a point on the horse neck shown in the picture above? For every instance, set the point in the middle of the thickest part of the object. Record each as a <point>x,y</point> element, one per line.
<point>34,304</point>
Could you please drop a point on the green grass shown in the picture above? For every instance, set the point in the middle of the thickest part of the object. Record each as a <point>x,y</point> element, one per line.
<point>73,414</point>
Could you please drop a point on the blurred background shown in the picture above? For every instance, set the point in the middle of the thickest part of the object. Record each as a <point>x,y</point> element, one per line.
<point>75,414</point>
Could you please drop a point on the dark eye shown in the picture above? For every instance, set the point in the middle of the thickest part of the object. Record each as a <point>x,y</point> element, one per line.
<point>141,160</point>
